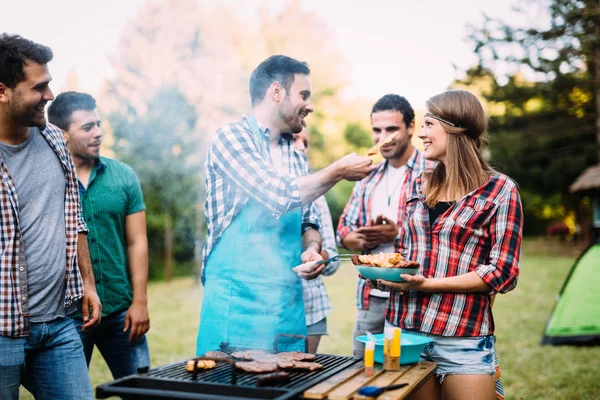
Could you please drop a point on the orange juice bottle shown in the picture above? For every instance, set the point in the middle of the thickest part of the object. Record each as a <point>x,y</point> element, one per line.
<point>369,358</point>
<point>393,361</point>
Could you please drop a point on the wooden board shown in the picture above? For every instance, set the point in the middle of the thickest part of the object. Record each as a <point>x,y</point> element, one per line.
<point>347,389</point>
<point>345,385</point>
<point>320,391</point>
<point>385,379</point>
<point>415,376</point>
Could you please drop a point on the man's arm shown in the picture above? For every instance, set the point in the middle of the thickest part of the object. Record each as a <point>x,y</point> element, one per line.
<point>237,156</point>
<point>90,296</point>
<point>351,167</point>
<point>137,319</point>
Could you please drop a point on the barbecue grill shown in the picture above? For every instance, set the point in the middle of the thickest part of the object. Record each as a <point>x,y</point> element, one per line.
<point>222,382</point>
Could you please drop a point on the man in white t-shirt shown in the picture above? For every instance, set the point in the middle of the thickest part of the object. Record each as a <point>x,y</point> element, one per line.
<point>374,213</point>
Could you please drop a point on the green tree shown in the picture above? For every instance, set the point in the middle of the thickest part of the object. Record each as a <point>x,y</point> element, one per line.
<point>543,128</point>
<point>160,146</point>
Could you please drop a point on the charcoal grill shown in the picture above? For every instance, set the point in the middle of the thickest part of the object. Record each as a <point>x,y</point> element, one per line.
<point>222,382</point>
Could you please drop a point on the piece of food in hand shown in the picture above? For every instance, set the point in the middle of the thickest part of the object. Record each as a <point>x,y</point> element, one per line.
<point>200,364</point>
<point>258,367</point>
<point>375,149</point>
<point>383,260</point>
<point>275,377</point>
<point>247,355</point>
<point>217,355</point>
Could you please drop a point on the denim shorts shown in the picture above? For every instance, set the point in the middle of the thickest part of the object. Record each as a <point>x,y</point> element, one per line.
<point>318,328</point>
<point>459,355</point>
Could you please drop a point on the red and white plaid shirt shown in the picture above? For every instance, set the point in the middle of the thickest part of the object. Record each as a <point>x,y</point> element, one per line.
<point>482,233</point>
<point>14,310</point>
<point>358,209</point>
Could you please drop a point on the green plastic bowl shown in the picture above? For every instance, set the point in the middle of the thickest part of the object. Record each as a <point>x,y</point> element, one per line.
<point>411,347</point>
<point>388,274</point>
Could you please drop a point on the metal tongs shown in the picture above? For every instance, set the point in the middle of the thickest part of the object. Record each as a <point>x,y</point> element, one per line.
<point>332,259</point>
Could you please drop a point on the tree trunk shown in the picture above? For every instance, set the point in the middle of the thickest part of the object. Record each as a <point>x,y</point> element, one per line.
<point>168,275</point>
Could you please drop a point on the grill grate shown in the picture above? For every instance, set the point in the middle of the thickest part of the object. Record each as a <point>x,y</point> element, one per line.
<point>174,382</point>
<point>222,373</point>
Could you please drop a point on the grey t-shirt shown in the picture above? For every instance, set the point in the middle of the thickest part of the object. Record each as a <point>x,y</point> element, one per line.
<point>40,183</point>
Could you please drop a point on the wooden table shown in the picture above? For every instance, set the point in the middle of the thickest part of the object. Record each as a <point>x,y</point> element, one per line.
<point>345,385</point>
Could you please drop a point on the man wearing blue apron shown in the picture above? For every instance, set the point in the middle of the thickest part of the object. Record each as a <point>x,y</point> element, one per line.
<point>260,217</point>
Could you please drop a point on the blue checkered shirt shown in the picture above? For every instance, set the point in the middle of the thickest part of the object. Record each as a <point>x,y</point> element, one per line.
<point>239,168</point>
<point>316,302</point>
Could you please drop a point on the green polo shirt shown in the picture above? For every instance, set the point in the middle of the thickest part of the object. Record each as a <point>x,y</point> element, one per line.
<point>113,193</point>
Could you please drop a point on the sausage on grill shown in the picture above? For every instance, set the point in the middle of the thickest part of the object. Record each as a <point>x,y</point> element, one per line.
<point>275,377</point>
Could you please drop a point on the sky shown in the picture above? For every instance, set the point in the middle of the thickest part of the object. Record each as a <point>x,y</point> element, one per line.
<point>393,46</point>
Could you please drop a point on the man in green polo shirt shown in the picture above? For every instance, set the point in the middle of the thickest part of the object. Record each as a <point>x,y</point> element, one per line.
<point>114,210</point>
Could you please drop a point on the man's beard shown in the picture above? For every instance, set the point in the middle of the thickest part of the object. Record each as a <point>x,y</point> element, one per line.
<point>400,149</point>
<point>290,117</point>
<point>28,116</point>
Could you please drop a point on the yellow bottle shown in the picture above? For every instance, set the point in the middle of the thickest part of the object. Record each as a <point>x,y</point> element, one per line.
<point>388,336</point>
<point>369,358</point>
<point>393,363</point>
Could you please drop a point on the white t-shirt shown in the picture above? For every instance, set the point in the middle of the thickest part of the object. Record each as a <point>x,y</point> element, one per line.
<point>385,199</point>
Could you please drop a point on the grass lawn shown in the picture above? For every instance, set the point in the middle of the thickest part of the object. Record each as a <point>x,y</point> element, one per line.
<point>529,371</point>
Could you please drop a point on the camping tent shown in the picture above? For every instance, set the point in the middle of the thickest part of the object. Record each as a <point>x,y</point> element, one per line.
<point>576,316</point>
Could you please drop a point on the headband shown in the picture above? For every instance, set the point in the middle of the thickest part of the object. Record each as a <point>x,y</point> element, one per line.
<point>441,119</point>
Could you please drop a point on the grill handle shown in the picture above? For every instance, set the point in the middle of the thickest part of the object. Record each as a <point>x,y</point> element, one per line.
<point>233,370</point>
<point>275,347</point>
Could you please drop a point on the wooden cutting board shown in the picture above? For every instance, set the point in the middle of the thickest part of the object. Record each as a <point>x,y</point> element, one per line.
<point>345,385</point>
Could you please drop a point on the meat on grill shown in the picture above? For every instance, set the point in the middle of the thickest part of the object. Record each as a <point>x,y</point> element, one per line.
<point>275,377</point>
<point>309,366</point>
<point>256,366</point>
<point>200,364</point>
<point>297,356</point>
<point>216,355</point>
<point>248,355</point>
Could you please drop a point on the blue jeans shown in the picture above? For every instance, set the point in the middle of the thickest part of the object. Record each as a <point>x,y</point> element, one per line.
<point>122,356</point>
<point>49,363</point>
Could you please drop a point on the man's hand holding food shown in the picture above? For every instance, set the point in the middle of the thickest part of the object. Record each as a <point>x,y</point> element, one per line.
<point>308,270</point>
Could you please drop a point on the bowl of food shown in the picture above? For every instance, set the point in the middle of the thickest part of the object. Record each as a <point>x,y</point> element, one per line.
<point>386,266</point>
<point>411,347</point>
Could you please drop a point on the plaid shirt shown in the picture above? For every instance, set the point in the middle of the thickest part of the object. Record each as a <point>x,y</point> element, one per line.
<point>358,209</point>
<point>316,302</point>
<point>482,233</point>
<point>239,168</point>
<point>14,321</point>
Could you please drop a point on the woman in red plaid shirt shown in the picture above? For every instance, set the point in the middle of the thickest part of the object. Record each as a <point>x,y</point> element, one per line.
<point>463,224</point>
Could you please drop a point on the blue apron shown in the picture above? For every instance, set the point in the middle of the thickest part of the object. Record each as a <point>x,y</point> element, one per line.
<point>251,293</point>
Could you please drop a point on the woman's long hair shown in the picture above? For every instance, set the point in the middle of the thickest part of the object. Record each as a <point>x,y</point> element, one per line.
<point>465,169</point>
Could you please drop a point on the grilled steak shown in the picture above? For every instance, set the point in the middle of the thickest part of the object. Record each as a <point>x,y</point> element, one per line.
<point>247,355</point>
<point>286,363</point>
<point>256,366</point>
<point>311,366</point>
<point>290,364</point>
<point>297,356</point>
<point>216,355</point>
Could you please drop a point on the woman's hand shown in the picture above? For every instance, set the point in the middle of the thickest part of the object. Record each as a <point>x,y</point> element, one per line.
<point>411,282</point>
